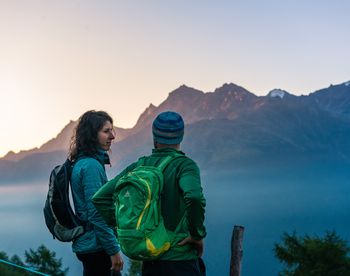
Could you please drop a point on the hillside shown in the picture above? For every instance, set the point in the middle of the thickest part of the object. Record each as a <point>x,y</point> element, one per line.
<point>226,130</point>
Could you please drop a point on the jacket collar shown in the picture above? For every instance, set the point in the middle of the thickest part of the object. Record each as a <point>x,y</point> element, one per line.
<point>100,155</point>
<point>167,150</point>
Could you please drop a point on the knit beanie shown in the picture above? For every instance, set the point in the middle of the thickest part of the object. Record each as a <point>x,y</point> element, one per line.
<point>168,128</point>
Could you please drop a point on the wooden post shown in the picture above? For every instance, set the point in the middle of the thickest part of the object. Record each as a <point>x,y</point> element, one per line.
<point>236,250</point>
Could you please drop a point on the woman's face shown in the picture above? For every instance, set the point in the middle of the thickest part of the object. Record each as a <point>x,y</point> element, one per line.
<point>105,136</point>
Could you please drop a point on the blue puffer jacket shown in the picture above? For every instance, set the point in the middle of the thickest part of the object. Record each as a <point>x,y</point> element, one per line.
<point>88,176</point>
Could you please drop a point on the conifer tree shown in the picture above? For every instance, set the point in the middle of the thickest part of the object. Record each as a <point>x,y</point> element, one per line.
<point>42,260</point>
<point>313,256</point>
<point>45,261</point>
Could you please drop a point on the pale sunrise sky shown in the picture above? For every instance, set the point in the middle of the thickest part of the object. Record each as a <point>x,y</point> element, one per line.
<point>59,58</point>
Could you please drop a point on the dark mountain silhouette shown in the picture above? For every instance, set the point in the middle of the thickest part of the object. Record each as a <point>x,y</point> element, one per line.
<point>225,102</point>
<point>281,133</point>
<point>334,99</point>
<point>227,130</point>
<point>60,143</point>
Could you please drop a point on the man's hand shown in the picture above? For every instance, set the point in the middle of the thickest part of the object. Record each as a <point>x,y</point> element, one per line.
<point>197,244</point>
<point>117,262</point>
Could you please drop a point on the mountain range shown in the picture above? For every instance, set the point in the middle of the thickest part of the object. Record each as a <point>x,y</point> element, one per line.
<point>228,130</point>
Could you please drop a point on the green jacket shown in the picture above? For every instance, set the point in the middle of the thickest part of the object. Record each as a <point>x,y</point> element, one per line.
<point>182,201</point>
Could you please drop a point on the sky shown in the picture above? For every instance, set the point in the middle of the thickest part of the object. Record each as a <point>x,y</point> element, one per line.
<point>60,58</point>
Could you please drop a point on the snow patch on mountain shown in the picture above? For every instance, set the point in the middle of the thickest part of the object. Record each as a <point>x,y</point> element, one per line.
<point>277,93</point>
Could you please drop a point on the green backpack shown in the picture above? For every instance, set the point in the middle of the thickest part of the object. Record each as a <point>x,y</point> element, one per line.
<point>140,226</point>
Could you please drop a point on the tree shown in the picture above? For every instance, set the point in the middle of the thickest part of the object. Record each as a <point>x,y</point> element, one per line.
<point>45,261</point>
<point>16,260</point>
<point>42,260</point>
<point>3,256</point>
<point>7,270</point>
<point>311,256</point>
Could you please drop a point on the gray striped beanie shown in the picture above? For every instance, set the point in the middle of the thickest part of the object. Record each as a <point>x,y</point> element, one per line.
<point>168,128</point>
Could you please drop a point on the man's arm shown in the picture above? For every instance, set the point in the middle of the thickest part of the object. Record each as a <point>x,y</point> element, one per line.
<point>190,184</point>
<point>104,198</point>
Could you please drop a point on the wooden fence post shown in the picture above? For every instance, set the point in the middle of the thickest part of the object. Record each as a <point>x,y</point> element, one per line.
<point>236,250</point>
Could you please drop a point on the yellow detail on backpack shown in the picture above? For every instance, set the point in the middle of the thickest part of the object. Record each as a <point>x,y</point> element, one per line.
<point>153,250</point>
<point>147,202</point>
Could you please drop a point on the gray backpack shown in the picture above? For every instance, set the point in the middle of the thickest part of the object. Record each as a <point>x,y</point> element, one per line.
<point>60,218</point>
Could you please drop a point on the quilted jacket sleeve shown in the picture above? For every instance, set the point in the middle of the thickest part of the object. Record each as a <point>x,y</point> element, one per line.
<point>93,178</point>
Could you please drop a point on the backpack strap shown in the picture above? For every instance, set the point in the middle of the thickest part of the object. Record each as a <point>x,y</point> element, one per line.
<point>165,162</point>
<point>140,161</point>
<point>86,224</point>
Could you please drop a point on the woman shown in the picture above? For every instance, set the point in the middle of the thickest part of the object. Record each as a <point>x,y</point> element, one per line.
<point>97,248</point>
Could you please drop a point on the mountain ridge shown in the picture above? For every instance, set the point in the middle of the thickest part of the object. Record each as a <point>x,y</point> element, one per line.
<point>244,126</point>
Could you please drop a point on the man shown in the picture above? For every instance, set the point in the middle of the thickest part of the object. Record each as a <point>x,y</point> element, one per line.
<point>182,201</point>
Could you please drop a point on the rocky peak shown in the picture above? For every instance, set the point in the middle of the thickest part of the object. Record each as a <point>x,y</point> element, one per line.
<point>231,88</point>
<point>184,91</point>
<point>144,117</point>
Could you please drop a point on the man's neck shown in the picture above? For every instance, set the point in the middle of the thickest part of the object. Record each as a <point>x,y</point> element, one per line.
<point>163,146</point>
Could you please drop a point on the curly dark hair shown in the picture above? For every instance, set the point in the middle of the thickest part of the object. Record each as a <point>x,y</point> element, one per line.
<point>84,139</point>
